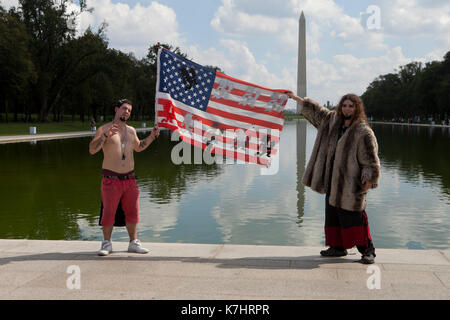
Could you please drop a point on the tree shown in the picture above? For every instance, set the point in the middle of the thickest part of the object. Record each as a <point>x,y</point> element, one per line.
<point>81,60</point>
<point>414,90</point>
<point>16,66</point>
<point>56,51</point>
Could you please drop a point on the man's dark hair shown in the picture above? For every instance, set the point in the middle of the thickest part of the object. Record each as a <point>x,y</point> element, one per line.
<point>120,102</point>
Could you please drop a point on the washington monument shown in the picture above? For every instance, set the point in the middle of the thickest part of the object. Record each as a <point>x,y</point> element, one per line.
<point>301,67</point>
<point>301,125</point>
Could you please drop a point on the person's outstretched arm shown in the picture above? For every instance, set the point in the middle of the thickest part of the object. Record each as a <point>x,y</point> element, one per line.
<point>312,111</point>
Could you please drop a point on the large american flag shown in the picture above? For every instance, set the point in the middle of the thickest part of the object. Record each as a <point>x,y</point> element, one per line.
<point>210,110</point>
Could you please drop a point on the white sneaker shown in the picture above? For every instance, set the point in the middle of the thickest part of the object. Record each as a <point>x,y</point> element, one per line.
<point>106,248</point>
<point>135,246</point>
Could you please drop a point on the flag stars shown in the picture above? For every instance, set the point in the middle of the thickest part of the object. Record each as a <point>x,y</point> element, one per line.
<point>193,90</point>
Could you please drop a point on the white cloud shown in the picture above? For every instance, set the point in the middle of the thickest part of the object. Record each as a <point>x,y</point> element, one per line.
<point>417,18</point>
<point>231,20</point>
<point>237,18</point>
<point>9,3</point>
<point>237,60</point>
<point>347,73</point>
<point>413,18</point>
<point>134,29</point>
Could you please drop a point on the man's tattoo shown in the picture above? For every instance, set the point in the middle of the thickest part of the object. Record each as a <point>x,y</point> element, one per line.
<point>143,144</point>
<point>98,144</point>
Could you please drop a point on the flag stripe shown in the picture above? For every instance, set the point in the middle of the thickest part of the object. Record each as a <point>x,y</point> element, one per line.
<point>255,109</point>
<point>233,107</point>
<point>209,119</point>
<point>249,120</point>
<point>266,91</point>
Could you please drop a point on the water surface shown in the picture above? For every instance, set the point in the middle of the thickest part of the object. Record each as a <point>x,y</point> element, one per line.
<point>51,190</point>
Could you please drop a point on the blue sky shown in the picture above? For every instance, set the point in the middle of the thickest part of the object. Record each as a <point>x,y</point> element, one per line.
<point>256,40</point>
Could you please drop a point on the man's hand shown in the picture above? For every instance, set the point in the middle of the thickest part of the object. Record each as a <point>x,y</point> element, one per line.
<point>155,133</point>
<point>141,145</point>
<point>113,130</point>
<point>366,184</point>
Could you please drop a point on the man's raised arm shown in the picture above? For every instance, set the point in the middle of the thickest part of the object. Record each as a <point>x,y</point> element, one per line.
<point>98,141</point>
<point>141,145</point>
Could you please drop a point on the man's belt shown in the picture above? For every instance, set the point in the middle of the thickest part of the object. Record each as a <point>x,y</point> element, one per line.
<point>112,175</point>
<point>121,177</point>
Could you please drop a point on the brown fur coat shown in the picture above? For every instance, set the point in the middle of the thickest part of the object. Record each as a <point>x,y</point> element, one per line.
<point>355,158</point>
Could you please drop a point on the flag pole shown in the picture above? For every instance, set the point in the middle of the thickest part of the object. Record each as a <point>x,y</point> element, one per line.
<point>157,84</point>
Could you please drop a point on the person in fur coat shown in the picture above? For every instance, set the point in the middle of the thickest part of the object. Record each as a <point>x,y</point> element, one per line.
<point>344,165</point>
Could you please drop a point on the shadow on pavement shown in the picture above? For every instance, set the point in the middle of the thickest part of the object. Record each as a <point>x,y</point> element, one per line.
<point>275,262</point>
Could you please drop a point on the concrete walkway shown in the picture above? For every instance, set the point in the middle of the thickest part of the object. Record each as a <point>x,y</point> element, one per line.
<point>52,136</point>
<point>43,269</point>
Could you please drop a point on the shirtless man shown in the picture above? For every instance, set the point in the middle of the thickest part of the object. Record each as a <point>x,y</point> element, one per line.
<point>118,141</point>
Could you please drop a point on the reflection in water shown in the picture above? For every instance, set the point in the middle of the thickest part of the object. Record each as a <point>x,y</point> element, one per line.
<point>53,192</point>
<point>411,205</point>
<point>301,161</point>
<point>417,152</point>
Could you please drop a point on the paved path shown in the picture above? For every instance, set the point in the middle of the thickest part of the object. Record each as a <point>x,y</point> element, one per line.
<point>412,124</point>
<point>51,136</point>
<point>37,269</point>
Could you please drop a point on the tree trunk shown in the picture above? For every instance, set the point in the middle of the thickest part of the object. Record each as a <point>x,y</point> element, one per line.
<point>15,113</point>
<point>43,113</point>
<point>6,110</point>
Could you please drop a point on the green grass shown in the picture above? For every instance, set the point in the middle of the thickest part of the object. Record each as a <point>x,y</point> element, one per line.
<point>21,128</point>
<point>293,116</point>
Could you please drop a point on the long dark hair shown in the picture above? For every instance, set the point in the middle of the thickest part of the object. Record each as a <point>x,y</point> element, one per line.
<point>360,115</point>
